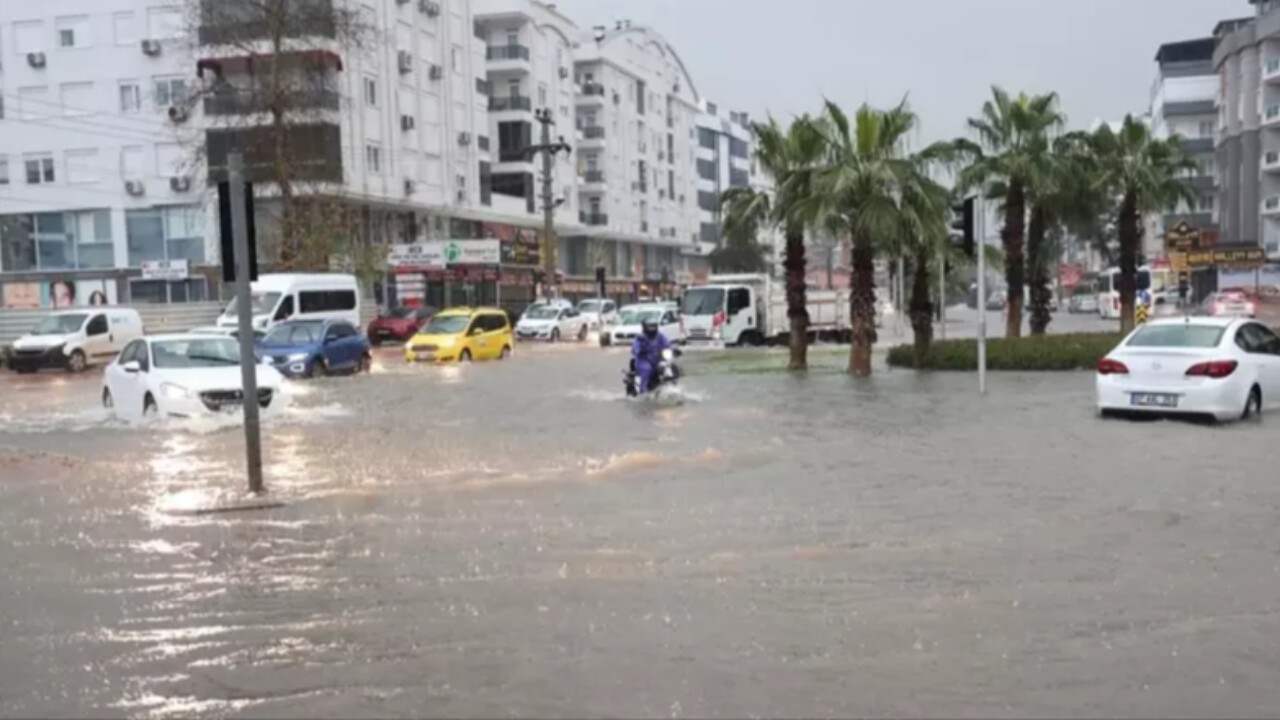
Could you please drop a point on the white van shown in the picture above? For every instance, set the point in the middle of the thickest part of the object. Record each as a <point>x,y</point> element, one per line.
<point>76,339</point>
<point>277,298</point>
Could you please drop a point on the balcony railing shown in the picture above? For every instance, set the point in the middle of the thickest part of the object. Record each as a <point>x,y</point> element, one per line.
<point>1272,113</point>
<point>593,176</point>
<point>249,102</point>
<point>1272,66</point>
<point>593,219</point>
<point>1271,158</point>
<point>484,87</point>
<point>1271,204</point>
<point>592,88</point>
<point>511,102</point>
<point>593,132</point>
<point>482,143</point>
<point>507,52</point>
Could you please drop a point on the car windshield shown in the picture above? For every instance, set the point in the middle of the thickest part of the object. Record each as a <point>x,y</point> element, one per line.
<point>202,353</point>
<point>295,333</point>
<point>59,325</point>
<point>590,306</point>
<point>399,312</point>
<point>704,301</point>
<point>543,313</point>
<point>447,325</point>
<point>1178,335</point>
<point>639,317</point>
<point>263,303</point>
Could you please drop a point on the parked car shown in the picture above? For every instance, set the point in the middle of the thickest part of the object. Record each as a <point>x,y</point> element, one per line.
<point>398,324</point>
<point>277,298</point>
<point>1083,302</point>
<point>1229,303</point>
<point>551,323</point>
<point>181,376</point>
<point>599,313</point>
<point>633,317</point>
<point>76,339</point>
<point>462,335</point>
<point>305,348</point>
<point>1222,368</point>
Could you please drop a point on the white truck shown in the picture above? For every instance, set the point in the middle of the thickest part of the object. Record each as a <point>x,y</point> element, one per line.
<point>752,310</point>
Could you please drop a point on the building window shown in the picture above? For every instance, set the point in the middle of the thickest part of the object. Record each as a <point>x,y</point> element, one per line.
<point>1206,128</point>
<point>371,92</point>
<point>74,32</point>
<point>542,94</point>
<point>4,171</point>
<point>39,170</point>
<point>707,170</point>
<point>81,167</point>
<point>126,33</point>
<point>738,178</point>
<point>737,148</point>
<point>373,158</point>
<point>707,138</point>
<point>165,233</point>
<point>1206,203</point>
<point>130,96</point>
<point>169,92</point>
<point>57,241</point>
<point>455,59</point>
<point>77,98</point>
<point>708,201</point>
<point>32,102</point>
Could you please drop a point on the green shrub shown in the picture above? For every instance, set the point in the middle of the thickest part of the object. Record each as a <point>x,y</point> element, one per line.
<point>1080,351</point>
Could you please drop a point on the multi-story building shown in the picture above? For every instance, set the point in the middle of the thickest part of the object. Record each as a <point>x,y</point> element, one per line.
<point>637,108</point>
<point>1247,61</point>
<point>1182,104</point>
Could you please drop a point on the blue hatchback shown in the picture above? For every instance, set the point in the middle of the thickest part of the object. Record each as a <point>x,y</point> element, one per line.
<point>305,348</point>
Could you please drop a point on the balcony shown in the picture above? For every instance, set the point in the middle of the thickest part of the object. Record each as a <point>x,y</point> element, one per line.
<point>514,155</point>
<point>508,58</point>
<point>314,149</point>
<point>592,94</point>
<point>1197,146</point>
<point>484,87</point>
<point>482,143</point>
<point>511,103</point>
<point>592,137</point>
<point>1271,206</point>
<point>1271,162</point>
<point>1271,116</point>
<point>593,177</point>
<point>1271,71</point>
<point>593,219</point>
<point>227,23</point>
<point>253,102</point>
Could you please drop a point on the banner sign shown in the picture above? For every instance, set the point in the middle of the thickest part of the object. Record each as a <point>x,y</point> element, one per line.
<point>165,270</point>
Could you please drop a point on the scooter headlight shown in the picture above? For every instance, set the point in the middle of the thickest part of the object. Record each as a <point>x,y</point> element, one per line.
<point>667,354</point>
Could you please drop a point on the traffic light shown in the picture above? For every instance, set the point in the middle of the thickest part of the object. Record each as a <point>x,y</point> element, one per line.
<point>962,225</point>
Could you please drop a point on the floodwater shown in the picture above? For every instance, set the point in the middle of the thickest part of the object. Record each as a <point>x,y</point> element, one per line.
<point>516,539</point>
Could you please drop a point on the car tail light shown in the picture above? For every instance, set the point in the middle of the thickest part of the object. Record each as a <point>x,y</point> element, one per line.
<point>1107,366</point>
<point>1249,308</point>
<point>1213,369</point>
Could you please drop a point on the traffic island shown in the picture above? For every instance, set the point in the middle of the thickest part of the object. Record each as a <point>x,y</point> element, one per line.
<point>1077,351</point>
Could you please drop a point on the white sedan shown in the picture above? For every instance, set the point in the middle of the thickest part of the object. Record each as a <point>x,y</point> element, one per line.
<point>633,318</point>
<point>181,376</point>
<point>599,313</point>
<point>1220,368</point>
<point>551,323</point>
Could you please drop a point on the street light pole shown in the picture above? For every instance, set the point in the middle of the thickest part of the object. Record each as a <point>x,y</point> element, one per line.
<point>244,300</point>
<point>549,150</point>
<point>980,222</point>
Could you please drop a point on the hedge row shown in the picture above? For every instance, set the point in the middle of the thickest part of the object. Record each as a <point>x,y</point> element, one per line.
<point>1080,351</point>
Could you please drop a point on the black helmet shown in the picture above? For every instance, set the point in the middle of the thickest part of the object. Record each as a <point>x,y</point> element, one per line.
<point>650,328</point>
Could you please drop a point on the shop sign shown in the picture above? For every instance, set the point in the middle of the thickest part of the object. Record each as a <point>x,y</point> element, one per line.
<point>165,270</point>
<point>416,257</point>
<point>1250,255</point>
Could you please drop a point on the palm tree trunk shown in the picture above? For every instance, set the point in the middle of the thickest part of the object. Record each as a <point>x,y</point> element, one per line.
<point>1013,236</point>
<point>1037,265</point>
<point>862,307</point>
<point>921,308</point>
<point>1128,229</point>
<point>797,311</point>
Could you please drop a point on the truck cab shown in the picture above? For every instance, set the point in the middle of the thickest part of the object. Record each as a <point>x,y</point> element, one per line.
<point>726,313</point>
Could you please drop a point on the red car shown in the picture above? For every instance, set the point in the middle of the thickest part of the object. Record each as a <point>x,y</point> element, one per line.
<point>399,324</point>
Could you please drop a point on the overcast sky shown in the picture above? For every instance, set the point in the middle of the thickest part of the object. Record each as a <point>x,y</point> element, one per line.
<point>783,56</point>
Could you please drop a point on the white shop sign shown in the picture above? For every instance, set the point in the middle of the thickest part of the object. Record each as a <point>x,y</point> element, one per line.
<point>165,270</point>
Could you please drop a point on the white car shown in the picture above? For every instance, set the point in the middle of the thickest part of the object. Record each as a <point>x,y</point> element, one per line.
<point>1221,368</point>
<point>633,317</point>
<point>599,313</point>
<point>551,323</point>
<point>230,332</point>
<point>181,375</point>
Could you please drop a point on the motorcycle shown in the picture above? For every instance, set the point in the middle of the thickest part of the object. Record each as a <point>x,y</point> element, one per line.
<point>666,376</point>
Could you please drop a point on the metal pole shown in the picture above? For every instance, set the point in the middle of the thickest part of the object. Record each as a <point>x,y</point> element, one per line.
<point>942,294</point>
<point>548,205</point>
<point>980,220</point>
<point>248,360</point>
<point>902,305</point>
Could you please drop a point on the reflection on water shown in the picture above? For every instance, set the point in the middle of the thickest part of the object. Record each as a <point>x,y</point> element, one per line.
<point>515,539</point>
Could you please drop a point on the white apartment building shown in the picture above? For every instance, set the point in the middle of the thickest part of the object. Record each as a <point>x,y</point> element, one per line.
<point>725,159</point>
<point>637,108</point>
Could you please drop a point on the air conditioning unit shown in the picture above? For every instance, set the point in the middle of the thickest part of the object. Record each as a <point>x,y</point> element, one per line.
<point>429,8</point>
<point>464,138</point>
<point>436,72</point>
<point>134,187</point>
<point>564,73</point>
<point>178,114</point>
<point>408,186</point>
<point>180,184</point>
<point>405,61</point>
<point>151,47</point>
<point>407,122</point>
<point>36,59</point>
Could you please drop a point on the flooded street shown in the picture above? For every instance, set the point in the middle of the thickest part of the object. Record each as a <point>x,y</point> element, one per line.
<point>516,539</point>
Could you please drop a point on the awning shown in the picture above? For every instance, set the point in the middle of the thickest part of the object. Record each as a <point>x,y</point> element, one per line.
<point>247,63</point>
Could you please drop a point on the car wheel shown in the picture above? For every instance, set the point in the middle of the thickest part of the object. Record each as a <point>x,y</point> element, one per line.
<point>465,356</point>
<point>582,333</point>
<point>365,364</point>
<point>107,401</point>
<point>555,335</point>
<point>76,362</point>
<point>1253,406</point>
<point>319,368</point>
<point>506,353</point>
<point>149,408</point>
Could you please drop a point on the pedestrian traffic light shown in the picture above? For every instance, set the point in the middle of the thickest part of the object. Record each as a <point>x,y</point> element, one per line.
<point>962,225</point>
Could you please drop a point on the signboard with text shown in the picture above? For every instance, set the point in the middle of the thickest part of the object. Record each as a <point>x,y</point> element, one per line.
<point>1250,255</point>
<point>416,257</point>
<point>165,270</point>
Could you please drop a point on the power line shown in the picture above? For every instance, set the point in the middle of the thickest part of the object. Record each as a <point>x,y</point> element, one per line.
<point>149,121</point>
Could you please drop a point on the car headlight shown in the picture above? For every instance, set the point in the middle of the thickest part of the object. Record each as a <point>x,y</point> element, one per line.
<point>297,357</point>
<point>174,392</point>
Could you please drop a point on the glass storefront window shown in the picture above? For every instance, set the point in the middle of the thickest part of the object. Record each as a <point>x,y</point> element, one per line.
<point>56,241</point>
<point>169,233</point>
<point>173,291</point>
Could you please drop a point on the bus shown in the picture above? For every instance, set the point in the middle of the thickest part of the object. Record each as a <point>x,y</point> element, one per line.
<point>1151,279</point>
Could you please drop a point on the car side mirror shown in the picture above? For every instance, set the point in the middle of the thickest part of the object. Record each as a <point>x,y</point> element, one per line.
<point>132,366</point>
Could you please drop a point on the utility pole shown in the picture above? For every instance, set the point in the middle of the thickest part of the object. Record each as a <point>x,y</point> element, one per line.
<point>980,223</point>
<point>942,293</point>
<point>548,150</point>
<point>244,300</point>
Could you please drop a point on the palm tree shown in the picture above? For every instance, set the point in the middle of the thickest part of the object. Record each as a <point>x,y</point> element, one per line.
<point>922,239</point>
<point>1005,162</point>
<point>787,155</point>
<point>1147,174</point>
<point>872,191</point>
<point>1061,192</point>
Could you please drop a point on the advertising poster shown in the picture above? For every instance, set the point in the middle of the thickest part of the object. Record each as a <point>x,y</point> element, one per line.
<point>520,246</point>
<point>57,294</point>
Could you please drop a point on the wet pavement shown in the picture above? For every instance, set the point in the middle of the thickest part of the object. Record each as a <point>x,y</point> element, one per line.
<point>516,539</point>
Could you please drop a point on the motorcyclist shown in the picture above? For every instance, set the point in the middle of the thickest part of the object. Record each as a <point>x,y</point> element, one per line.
<point>646,353</point>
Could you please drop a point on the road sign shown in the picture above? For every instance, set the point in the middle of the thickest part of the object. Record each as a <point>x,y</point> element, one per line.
<point>1140,314</point>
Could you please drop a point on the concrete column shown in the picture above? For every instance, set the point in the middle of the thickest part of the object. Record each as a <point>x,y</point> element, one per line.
<point>1250,147</point>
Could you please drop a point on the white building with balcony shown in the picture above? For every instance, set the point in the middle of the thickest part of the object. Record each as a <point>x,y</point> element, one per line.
<point>637,109</point>
<point>725,159</point>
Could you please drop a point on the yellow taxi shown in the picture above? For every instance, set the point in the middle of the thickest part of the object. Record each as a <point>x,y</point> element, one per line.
<point>462,335</point>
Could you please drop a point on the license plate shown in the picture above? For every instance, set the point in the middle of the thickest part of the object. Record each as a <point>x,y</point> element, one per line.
<point>1153,400</point>
<point>425,357</point>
